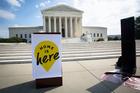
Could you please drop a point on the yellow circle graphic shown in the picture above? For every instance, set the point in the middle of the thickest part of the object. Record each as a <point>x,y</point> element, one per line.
<point>46,54</point>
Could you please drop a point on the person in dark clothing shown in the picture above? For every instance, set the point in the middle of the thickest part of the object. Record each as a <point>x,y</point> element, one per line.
<point>119,63</point>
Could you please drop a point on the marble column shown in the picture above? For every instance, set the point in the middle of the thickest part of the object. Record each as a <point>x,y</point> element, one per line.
<point>60,25</point>
<point>54,24</point>
<point>76,25</point>
<point>44,23</point>
<point>71,27</point>
<point>49,24</point>
<point>80,26</point>
<point>66,28</point>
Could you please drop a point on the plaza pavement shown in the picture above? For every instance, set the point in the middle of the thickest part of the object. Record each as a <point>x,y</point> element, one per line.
<point>79,76</point>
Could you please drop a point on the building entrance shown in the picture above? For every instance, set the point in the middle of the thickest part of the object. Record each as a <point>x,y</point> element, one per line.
<point>63,32</point>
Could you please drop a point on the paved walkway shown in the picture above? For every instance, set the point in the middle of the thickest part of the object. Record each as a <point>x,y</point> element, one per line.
<point>78,77</point>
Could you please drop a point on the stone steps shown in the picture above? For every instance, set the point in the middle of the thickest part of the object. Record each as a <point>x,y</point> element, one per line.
<point>20,61</point>
<point>29,56</point>
<point>22,53</point>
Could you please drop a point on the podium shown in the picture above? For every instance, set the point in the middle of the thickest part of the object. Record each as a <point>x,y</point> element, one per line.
<point>46,59</point>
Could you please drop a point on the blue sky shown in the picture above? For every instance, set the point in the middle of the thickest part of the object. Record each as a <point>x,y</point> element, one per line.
<point>106,13</point>
<point>22,13</point>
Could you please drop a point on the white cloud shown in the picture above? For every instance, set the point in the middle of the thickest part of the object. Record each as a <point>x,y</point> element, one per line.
<point>37,6</point>
<point>137,4</point>
<point>41,5</point>
<point>48,1</point>
<point>38,16</point>
<point>105,13</point>
<point>44,4</point>
<point>22,1</point>
<point>6,15</point>
<point>15,2</point>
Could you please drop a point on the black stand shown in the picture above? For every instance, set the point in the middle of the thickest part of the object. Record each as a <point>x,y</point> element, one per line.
<point>127,62</point>
<point>48,82</point>
<point>128,45</point>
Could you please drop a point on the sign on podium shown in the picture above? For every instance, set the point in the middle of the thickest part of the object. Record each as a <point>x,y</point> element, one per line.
<point>46,59</point>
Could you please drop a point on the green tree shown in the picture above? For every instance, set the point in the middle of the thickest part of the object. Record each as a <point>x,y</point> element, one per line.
<point>137,22</point>
<point>12,40</point>
<point>100,39</point>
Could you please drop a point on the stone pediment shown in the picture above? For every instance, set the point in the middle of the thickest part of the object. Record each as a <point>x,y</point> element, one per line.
<point>62,7</point>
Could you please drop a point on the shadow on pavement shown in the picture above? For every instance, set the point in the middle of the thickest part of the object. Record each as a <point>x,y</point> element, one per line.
<point>104,87</point>
<point>27,87</point>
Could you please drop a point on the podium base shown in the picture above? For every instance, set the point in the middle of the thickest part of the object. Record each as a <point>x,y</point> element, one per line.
<point>48,82</point>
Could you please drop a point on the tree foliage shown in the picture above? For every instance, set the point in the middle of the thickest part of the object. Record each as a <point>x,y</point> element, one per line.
<point>12,40</point>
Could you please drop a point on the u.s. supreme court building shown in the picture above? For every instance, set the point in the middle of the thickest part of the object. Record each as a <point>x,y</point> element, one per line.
<point>64,19</point>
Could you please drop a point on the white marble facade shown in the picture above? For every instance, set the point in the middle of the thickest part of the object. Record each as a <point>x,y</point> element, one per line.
<point>64,19</point>
<point>60,18</point>
<point>93,34</point>
<point>24,32</point>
